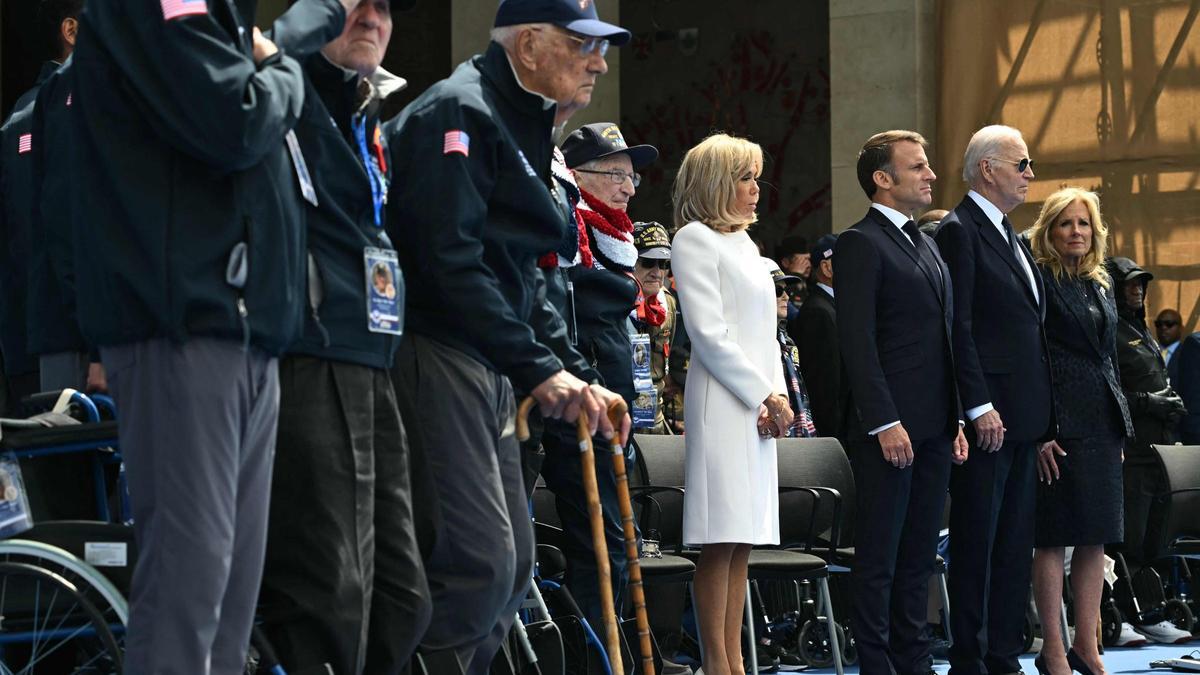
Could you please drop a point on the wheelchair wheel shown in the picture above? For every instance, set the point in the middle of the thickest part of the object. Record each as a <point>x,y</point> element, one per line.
<point>849,647</point>
<point>816,649</point>
<point>1110,623</point>
<point>1177,612</point>
<point>48,625</point>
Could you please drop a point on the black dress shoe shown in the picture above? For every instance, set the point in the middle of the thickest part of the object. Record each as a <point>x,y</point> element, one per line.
<point>1040,664</point>
<point>1077,663</point>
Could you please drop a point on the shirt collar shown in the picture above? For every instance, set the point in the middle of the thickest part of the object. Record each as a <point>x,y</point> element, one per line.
<point>827,289</point>
<point>547,103</point>
<point>989,209</point>
<point>898,219</point>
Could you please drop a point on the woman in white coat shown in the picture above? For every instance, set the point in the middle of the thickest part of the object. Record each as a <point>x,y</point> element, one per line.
<point>734,403</point>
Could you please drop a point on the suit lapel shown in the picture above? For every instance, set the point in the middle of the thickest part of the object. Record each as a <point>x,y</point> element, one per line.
<point>1078,308</point>
<point>991,235</point>
<point>932,275</point>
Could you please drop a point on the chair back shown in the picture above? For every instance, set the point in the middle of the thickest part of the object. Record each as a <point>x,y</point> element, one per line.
<point>815,462</point>
<point>1180,505</point>
<point>661,510</point>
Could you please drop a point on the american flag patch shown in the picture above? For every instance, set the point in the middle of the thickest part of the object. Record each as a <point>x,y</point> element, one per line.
<point>457,141</point>
<point>173,9</point>
<point>24,144</point>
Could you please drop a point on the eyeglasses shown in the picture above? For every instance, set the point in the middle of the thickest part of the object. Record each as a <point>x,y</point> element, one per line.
<point>587,45</point>
<point>1022,164</point>
<point>780,290</point>
<point>661,263</point>
<point>617,176</point>
<point>1165,323</point>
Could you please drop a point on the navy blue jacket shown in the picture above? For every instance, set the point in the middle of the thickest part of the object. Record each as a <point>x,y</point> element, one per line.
<point>342,225</point>
<point>469,227</point>
<point>50,317</point>
<point>16,213</point>
<point>188,219</point>
<point>1087,389</point>
<point>999,345</point>
<point>1187,382</point>
<point>894,318</point>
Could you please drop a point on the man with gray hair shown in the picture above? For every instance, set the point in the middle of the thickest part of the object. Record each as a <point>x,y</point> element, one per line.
<point>473,206</point>
<point>1004,385</point>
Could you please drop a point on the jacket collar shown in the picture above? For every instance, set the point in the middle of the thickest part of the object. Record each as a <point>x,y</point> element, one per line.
<point>345,94</point>
<point>46,71</point>
<point>496,68</point>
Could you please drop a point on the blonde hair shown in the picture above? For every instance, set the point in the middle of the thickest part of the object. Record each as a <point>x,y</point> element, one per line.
<point>1092,264</point>
<point>706,184</point>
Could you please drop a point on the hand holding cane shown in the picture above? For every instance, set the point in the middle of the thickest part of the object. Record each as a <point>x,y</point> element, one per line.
<point>596,519</point>
<point>615,412</point>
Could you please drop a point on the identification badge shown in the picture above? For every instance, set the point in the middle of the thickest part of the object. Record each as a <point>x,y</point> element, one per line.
<point>306,185</point>
<point>645,404</point>
<point>385,291</point>
<point>14,503</point>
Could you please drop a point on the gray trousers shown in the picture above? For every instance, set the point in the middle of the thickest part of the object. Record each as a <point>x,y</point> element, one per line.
<point>197,427</point>
<point>459,416</point>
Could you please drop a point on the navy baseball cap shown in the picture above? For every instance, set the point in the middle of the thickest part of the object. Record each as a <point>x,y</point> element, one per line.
<point>823,248</point>
<point>577,16</point>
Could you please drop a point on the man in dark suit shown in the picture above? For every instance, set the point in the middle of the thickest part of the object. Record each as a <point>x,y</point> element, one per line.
<point>1186,380</point>
<point>1004,386</point>
<point>814,330</point>
<point>894,313</point>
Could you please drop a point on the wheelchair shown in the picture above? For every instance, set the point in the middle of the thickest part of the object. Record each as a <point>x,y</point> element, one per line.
<point>63,607</point>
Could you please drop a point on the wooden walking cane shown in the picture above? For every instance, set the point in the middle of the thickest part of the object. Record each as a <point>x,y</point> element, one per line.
<point>587,458</point>
<point>615,412</point>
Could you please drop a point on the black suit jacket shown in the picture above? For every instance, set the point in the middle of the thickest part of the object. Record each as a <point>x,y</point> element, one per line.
<point>1083,363</point>
<point>894,315</point>
<point>999,345</point>
<point>1185,377</point>
<point>814,329</point>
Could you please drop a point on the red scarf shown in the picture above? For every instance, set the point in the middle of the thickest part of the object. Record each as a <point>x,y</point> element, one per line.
<point>649,310</point>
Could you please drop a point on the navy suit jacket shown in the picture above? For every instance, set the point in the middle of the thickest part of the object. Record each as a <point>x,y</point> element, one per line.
<point>894,316</point>
<point>1185,377</point>
<point>1083,363</point>
<point>999,343</point>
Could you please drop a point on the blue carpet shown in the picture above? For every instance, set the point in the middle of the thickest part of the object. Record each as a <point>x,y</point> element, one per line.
<point>1133,660</point>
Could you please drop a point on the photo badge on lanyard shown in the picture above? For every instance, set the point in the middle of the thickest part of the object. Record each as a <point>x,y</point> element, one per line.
<point>385,291</point>
<point>645,404</point>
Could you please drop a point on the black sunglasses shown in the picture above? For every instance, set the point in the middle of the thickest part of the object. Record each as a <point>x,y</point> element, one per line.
<point>1166,323</point>
<point>661,263</point>
<point>1022,164</point>
<point>780,290</point>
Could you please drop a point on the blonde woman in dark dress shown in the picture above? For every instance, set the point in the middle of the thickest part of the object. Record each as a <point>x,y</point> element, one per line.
<point>1079,493</point>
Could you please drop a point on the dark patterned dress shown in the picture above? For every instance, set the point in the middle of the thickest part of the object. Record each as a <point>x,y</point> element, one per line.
<point>1084,506</point>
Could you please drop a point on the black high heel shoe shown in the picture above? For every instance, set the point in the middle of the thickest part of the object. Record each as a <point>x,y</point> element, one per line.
<point>1077,663</point>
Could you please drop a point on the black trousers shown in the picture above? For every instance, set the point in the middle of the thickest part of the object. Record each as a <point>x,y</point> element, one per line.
<point>992,500</point>
<point>460,415</point>
<point>898,516</point>
<point>344,583</point>
<point>564,476</point>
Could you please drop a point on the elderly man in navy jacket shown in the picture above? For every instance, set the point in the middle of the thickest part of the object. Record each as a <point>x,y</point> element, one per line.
<point>1004,381</point>
<point>473,207</point>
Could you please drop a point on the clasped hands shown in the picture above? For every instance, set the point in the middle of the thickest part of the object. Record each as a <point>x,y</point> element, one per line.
<point>774,416</point>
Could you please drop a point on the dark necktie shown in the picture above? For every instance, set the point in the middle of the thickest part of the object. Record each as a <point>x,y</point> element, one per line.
<point>910,228</point>
<point>1012,241</point>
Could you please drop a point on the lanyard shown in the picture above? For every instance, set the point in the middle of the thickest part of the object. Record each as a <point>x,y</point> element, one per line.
<point>359,123</point>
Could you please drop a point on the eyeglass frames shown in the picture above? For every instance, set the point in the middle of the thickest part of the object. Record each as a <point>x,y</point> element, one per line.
<point>1166,323</point>
<point>1022,164</point>
<point>587,45</point>
<point>617,176</point>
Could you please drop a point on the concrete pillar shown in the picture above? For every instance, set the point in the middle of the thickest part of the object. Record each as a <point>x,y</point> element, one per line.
<point>882,76</point>
<point>471,21</point>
